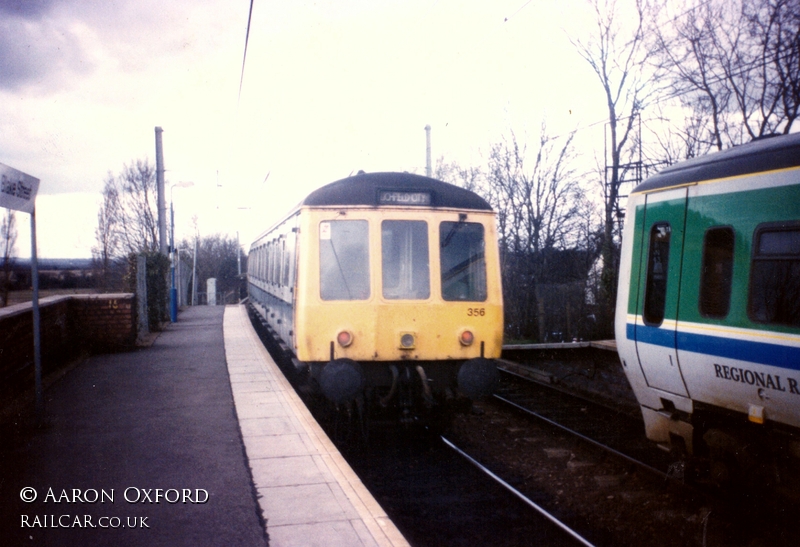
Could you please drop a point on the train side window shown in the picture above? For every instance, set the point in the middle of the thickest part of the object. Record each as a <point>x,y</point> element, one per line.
<point>775,275</point>
<point>404,260</point>
<point>287,258</point>
<point>463,261</point>
<point>268,254</point>
<point>281,251</point>
<point>655,291</point>
<point>716,276</point>
<point>344,260</point>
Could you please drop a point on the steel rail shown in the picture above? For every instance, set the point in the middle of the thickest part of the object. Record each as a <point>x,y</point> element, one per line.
<point>583,437</point>
<point>569,531</point>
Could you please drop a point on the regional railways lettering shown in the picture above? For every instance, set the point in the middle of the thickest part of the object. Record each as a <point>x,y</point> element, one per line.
<point>754,378</point>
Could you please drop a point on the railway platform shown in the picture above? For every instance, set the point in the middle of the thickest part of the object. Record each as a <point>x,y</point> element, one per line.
<point>197,439</point>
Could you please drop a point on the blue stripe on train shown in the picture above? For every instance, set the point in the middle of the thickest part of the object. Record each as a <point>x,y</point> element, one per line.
<point>775,355</point>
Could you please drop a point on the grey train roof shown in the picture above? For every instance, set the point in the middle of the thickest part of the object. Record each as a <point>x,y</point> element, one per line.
<point>765,154</point>
<point>364,188</point>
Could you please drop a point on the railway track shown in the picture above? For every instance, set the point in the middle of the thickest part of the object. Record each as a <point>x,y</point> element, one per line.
<point>432,493</point>
<point>597,464</point>
<point>569,533</point>
<point>609,429</point>
<point>437,495</point>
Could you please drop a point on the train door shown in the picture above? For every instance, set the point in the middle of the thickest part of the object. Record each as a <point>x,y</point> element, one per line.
<point>661,259</point>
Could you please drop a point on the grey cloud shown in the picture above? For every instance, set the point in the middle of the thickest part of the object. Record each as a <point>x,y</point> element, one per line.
<point>25,8</point>
<point>35,50</point>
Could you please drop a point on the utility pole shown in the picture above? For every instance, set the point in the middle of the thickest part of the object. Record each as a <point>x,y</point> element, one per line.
<point>428,166</point>
<point>162,208</point>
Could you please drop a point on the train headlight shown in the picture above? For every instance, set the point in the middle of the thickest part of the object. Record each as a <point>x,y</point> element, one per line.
<point>466,338</point>
<point>345,338</point>
<point>407,341</point>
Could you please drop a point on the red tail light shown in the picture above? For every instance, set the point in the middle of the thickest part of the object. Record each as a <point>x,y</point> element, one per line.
<point>345,338</point>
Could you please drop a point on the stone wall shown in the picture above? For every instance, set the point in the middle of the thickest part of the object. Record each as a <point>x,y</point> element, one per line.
<point>69,326</point>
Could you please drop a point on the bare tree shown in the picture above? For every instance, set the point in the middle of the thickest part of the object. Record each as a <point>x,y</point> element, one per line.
<point>128,216</point>
<point>620,58</point>
<point>8,240</point>
<point>697,78</point>
<point>770,104</point>
<point>735,66</point>
<point>465,177</point>
<point>107,234</point>
<point>537,203</point>
<point>139,213</point>
<point>676,138</point>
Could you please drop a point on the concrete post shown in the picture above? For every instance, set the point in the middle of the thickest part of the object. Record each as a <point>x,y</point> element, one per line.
<point>211,291</point>
<point>162,209</point>
<point>428,164</point>
<point>141,295</point>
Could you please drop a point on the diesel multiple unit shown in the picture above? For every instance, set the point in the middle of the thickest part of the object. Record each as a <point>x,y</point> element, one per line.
<point>708,309</point>
<point>385,288</point>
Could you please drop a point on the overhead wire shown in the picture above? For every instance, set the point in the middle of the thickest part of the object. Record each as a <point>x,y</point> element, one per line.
<point>244,57</point>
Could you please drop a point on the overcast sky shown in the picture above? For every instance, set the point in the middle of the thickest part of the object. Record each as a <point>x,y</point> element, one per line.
<point>330,87</point>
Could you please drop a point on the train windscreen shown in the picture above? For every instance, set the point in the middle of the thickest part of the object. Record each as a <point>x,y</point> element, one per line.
<point>463,262</point>
<point>344,260</point>
<point>405,263</point>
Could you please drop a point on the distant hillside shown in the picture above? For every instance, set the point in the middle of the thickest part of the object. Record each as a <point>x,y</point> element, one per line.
<point>56,263</point>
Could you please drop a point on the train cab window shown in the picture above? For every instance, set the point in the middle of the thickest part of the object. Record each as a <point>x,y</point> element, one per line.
<point>344,260</point>
<point>655,291</point>
<point>717,273</point>
<point>405,262</point>
<point>463,262</point>
<point>775,275</point>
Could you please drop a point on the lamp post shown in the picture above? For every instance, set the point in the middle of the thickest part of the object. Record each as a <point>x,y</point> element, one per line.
<point>173,291</point>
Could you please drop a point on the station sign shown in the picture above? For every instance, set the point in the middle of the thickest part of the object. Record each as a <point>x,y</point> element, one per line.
<point>17,190</point>
<point>390,197</point>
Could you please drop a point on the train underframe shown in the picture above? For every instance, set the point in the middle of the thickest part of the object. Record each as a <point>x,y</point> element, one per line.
<point>413,394</point>
<point>721,447</point>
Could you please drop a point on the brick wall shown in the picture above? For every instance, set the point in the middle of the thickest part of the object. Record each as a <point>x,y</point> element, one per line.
<point>104,323</point>
<point>70,325</point>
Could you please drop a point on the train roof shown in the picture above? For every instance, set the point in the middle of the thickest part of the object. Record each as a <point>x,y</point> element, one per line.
<point>766,154</point>
<point>404,189</point>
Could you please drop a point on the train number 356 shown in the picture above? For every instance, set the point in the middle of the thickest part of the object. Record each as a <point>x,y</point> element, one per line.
<point>476,312</point>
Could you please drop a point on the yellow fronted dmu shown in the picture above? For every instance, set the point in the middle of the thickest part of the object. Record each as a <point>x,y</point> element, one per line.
<point>386,286</point>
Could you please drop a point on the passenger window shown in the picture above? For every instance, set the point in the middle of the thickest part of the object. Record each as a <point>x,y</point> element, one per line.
<point>655,292</point>
<point>344,260</point>
<point>287,262</point>
<point>717,273</point>
<point>463,261</point>
<point>775,275</point>
<point>405,263</point>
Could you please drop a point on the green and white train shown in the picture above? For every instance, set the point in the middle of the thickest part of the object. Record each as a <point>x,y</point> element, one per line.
<point>708,309</point>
